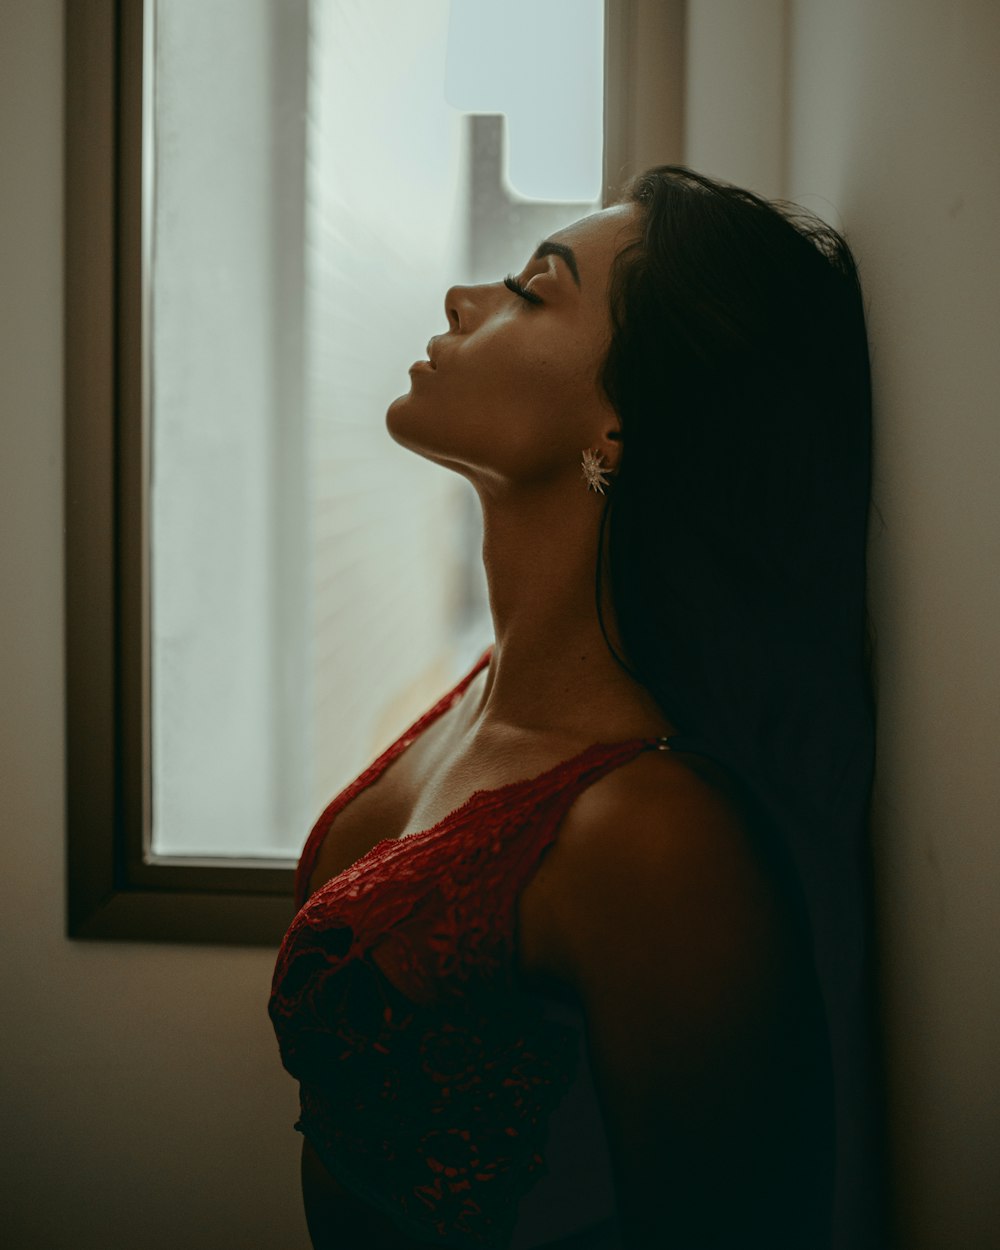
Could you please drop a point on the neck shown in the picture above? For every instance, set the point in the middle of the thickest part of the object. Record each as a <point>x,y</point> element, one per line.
<point>552,670</point>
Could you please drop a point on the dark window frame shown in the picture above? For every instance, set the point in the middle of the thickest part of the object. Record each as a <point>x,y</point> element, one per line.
<point>115,888</point>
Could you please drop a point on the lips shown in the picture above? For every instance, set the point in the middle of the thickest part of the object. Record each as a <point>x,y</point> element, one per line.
<point>430,353</point>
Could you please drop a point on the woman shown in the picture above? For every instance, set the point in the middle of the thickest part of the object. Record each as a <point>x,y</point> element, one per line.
<point>564,975</point>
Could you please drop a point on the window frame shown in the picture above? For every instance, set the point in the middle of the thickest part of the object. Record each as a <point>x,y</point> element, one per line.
<point>113,891</point>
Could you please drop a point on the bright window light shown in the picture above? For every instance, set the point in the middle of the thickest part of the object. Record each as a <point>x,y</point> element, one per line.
<point>539,63</point>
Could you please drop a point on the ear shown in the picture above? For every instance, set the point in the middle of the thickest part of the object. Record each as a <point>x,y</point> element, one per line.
<point>611,436</point>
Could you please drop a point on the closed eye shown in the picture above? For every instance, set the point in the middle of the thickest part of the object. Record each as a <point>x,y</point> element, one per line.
<point>512,284</point>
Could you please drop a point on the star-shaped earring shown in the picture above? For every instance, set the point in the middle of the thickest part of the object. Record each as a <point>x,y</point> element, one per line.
<point>596,475</point>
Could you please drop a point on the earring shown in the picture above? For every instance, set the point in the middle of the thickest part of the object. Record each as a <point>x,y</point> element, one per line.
<point>596,475</point>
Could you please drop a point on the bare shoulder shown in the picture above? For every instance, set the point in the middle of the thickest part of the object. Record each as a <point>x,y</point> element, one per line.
<point>654,791</point>
<point>707,1059</point>
<point>660,849</point>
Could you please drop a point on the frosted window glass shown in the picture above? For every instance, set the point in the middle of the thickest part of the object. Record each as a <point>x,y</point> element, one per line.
<point>311,194</point>
<point>539,63</point>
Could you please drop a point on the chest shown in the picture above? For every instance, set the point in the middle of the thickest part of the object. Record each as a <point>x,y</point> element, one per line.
<point>416,792</point>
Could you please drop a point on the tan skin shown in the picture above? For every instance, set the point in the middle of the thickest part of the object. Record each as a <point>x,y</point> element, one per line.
<point>695,1010</point>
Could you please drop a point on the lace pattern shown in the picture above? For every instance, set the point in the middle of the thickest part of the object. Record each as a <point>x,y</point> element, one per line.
<point>427,1076</point>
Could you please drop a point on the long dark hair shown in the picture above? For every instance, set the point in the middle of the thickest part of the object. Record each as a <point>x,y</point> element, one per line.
<point>737,532</point>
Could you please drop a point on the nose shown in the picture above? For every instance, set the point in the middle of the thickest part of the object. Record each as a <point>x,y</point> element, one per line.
<point>457,307</point>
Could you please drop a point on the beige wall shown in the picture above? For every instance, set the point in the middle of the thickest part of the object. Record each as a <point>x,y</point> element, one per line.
<point>734,107</point>
<point>894,111</point>
<point>142,1102</point>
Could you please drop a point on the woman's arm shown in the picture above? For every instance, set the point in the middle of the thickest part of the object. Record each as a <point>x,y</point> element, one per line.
<point>679,947</point>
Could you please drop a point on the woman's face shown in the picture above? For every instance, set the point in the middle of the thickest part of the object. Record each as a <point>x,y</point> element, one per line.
<point>511,394</point>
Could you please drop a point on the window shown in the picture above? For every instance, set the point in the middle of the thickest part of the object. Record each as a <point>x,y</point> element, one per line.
<point>263,590</point>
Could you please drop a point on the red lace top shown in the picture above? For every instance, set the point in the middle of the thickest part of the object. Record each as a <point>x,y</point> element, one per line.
<point>429,1075</point>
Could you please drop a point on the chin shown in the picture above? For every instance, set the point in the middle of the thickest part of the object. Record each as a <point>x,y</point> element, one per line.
<point>395,419</point>
<point>407,425</point>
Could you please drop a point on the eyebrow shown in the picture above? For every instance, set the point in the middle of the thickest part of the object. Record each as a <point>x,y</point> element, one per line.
<point>548,247</point>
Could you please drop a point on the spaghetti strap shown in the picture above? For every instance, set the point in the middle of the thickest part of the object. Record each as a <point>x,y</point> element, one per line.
<point>686,743</point>
<point>676,742</point>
